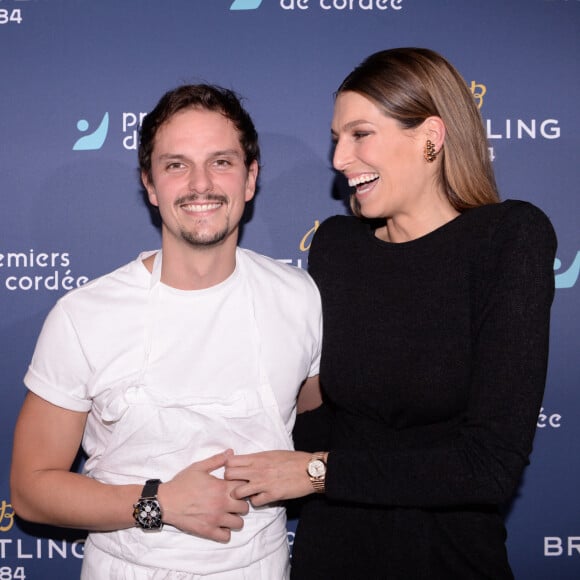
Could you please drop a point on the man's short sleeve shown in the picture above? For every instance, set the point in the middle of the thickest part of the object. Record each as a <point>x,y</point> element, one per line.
<point>59,371</point>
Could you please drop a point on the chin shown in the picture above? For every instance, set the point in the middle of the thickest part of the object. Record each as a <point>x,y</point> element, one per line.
<point>369,214</point>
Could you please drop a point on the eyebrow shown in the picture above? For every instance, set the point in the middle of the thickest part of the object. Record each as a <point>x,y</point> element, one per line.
<point>220,153</point>
<point>227,153</point>
<point>164,156</point>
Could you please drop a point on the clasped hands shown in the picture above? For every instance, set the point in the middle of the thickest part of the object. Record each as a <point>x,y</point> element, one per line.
<point>199,503</point>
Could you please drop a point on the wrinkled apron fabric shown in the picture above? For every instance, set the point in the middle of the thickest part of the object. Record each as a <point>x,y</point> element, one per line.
<point>157,436</point>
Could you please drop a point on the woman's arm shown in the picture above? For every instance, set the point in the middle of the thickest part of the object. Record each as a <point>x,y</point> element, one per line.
<point>277,475</point>
<point>483,461</point>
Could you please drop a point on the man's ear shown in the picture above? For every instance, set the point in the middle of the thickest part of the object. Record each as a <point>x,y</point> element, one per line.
<point>251,180</point>
<point>149,188</point>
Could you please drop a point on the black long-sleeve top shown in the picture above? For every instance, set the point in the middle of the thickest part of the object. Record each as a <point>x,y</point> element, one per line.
<point>433,366</point>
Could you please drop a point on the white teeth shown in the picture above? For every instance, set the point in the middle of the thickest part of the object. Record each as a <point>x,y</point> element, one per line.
<point>354,181</point>
<point>201,207</point>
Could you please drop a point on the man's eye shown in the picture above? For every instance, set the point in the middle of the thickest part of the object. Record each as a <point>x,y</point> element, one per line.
<point>174,165</point>
<point>222,162</point>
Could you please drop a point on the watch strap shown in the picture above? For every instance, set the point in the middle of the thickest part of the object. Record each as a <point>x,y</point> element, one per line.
<point>147,511</point>
<point>150,488</point>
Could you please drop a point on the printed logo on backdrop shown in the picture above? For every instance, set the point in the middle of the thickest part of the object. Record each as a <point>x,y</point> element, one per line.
<point>351,5</point>
<point>562,546</point>
<point>94,140</point>
<point>130,125</point>
<point>307,237</point>
<point>569,277</point>
<point>6,523</point>
<point>509,129</point>
<point>11,16</point>
<point>304,245</point>
<point>548,420</point>
<point>6,516</point>
<point>34,271</point>
<point>245,4</point>
<point>29,548</point>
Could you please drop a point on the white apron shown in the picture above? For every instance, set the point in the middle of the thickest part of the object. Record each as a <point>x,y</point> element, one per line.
<point>183,431</point>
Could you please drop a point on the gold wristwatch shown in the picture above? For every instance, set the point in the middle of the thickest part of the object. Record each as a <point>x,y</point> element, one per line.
<point>316,470</point>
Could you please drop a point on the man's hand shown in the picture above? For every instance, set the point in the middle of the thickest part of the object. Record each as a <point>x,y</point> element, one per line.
<point>199,503</point>
<point>44,490</point>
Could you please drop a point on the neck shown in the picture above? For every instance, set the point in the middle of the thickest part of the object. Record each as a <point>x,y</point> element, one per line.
<point>186,267</point>
<point>409,226</point>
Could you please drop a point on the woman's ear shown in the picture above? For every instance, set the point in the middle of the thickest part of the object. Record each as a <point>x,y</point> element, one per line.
<point>434,130</point>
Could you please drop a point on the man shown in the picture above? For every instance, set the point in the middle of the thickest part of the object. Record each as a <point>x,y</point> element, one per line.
<point>168,365</point>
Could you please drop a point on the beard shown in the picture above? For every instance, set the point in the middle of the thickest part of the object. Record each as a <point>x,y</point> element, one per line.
<point>202,239</point>
<point>205,240</point>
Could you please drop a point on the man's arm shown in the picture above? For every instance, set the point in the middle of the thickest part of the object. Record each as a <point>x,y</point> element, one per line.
<point>310,396</point>
<point>43,489</point>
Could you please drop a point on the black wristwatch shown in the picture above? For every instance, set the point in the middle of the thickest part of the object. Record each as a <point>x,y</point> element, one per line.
<point>147,511</point>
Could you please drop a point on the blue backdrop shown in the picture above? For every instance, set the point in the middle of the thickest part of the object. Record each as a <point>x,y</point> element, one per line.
<point>77,76</point>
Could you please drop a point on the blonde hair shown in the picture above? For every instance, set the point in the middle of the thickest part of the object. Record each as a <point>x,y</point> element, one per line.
<point>412,84</point>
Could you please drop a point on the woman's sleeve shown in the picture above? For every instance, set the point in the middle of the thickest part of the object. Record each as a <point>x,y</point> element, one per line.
<point>312,428</point>
<point>483,462</point>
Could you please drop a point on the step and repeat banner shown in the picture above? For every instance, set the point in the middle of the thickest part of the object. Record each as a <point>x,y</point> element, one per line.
<point>76,79</point>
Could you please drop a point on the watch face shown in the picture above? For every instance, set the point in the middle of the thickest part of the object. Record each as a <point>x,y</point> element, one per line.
<point>316,468</point>
<point>148,514</point>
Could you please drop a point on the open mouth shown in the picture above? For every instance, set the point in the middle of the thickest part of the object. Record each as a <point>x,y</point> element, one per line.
<point>201,207</point>
<point>363,182</point>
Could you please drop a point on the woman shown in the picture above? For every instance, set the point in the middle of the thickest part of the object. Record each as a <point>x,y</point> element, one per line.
<point>436,302</point>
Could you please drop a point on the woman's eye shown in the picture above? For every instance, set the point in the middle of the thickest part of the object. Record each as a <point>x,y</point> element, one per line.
<point>360,134</point>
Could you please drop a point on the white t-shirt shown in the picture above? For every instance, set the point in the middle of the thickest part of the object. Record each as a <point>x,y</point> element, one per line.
<point>170,377</point>
<point>93,339</point>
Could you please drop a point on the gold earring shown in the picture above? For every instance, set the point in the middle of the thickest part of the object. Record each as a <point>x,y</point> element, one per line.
<point>429,152</point>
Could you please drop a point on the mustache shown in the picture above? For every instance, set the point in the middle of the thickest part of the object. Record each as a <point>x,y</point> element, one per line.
<point>193,197</point>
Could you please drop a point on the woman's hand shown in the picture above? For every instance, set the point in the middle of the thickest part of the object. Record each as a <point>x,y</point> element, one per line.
<point>199,503</point>
<point>270,475</point>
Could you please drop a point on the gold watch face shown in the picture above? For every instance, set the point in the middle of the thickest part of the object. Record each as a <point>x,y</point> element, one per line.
<point>316,468</point>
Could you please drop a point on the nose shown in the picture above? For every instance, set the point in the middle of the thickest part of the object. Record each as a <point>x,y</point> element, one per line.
<point>341,156</point>
<point>200,180</point>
